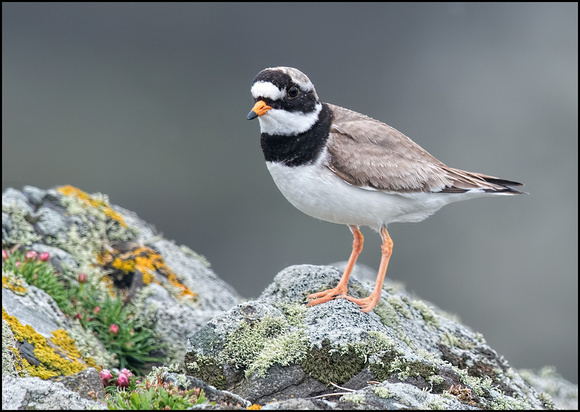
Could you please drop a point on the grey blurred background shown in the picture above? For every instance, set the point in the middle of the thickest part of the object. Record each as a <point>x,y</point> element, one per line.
<point>147,103</point>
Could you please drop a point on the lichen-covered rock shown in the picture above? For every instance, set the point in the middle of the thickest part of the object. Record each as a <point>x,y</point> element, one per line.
<point>9,357</point>
<point>275,348</point>
<point>86,383</point>
<point>563,393</point>
<point>43,346</point>
<point>117,251</point>
<point>35,393</point>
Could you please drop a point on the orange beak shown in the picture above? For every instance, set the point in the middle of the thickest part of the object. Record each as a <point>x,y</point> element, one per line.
<point>259,109</point>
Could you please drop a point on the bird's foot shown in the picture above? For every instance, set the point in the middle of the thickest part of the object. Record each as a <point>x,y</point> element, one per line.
<point>326,295</point>
<point>366,304</point>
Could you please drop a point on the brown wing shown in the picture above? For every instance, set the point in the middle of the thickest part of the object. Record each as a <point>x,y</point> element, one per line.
<point>368,153</point>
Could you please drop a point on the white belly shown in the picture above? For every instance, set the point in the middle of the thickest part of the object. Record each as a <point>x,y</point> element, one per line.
<point>318,192</point>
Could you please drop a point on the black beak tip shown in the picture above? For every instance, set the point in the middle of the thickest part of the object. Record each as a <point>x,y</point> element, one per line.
<point>252,115</point>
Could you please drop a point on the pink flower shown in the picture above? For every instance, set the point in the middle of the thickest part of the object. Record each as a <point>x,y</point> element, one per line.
<point>5,254</point>
<point>44,256</point>
<point>96,310</point>
<point>114,329</point>
<point>17,264</point>
<point>106,376</point>
<point>30,255</point>
<point>78,316</point>
<point>126,372</point>
<point>122,381</point>
<point>82,278</point>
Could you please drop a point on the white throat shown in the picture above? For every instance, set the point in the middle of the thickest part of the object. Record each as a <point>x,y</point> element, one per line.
<point>282,122</point>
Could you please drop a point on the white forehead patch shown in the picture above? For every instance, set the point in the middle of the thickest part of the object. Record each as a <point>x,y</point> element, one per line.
<point>267,90</point>
<point>297,77</point>
<point>282,122</point>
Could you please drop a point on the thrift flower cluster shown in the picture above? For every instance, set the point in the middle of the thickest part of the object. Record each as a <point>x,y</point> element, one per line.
<point>121,380</point>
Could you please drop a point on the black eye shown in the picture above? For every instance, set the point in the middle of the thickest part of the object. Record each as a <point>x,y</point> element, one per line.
<point>293,91</point>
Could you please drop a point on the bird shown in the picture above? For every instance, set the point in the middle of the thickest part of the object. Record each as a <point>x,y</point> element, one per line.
<point>344,167</point>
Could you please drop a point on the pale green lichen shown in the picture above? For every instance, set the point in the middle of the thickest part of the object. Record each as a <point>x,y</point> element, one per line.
<point>453,340</point>
<point>436,380</point>
<point>399,306</point>
<point>406,369</point>
<point>22,232</point>
<point>188,252</point>
<point>9,351</point>
<point>382,392</point>
<point>15,283</point>
<point>99,225</point>
<point>435,404</point>
<point>503,402</point>
<point>387,314</point>
<point>89,346</point>
<point>427,313</point>
<point>481,386</point>
<point>547,400</point>
<point>244,345</point>
<point>284,350</point>
<point>354,397</point>
<point>206,368</point>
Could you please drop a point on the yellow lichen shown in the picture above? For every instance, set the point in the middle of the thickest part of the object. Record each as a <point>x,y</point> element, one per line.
<point>14,284</point>
<point>148,262</point>
<point>92,201</point>
<point>52,362</point>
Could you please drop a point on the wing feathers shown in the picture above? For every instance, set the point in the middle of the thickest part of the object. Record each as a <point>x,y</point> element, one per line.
<point>367,153</point>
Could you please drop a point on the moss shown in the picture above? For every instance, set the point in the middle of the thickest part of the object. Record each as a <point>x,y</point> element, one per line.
<point>331,365</point>
<point>52,363</point>
<point>384,368</point>
<point>206,369</point>
<point>418,368</point>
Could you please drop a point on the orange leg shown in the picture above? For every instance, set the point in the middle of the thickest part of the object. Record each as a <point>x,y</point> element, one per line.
<point>367,304</point>
<point>340,289</point>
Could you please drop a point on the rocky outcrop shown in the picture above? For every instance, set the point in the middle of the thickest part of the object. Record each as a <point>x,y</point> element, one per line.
<point>272,352</point>
<point>404,354</point>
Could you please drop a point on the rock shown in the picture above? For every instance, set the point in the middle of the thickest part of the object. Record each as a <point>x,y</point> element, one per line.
<point>563,393</point>
<point>171,284</point>
<point>44,347</point>
<point>221,398</point>
<point>86,383</point>
<point>35,393</point>
<point>404,354</point>
<point>9,358</point>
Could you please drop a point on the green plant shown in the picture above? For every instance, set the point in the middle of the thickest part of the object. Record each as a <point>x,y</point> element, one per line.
<point>39,273</point>
<point>116,327</point>
<point>154,394</point>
